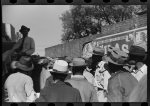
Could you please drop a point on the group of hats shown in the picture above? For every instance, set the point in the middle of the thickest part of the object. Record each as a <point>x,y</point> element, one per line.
<point>61,66</point>
<point>118,57</point>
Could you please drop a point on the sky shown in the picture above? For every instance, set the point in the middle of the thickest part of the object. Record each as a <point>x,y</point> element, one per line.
<point>43,21</point>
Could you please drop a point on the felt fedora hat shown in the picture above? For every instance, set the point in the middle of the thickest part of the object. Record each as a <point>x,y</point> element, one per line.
<point>98,51</point>
<point>60,66</point>
<point>24,64</point>
<point>78,62</point>
<point>116,56</point>
<point>24,28</point>
<point>137,50</point>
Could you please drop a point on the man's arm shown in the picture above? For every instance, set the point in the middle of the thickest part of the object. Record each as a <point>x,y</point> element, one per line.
<point>31,95</point>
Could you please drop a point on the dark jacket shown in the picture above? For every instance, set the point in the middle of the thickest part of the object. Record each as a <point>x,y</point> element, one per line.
<point>120,86</point>
<point>59,92</point>
<point>87,90</point>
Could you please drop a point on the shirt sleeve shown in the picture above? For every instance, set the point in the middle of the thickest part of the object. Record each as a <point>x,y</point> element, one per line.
<point>43,77</point>
<point>94,97</point>
<point>29,86</point>
<point>31,50</point>
<point>114,90</point>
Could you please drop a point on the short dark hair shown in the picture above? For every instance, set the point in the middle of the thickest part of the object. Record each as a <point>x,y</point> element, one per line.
<point>78,69</point>
<point>58,76</point>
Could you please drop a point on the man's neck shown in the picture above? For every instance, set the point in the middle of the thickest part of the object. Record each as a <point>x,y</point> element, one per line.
<point>24,36</point>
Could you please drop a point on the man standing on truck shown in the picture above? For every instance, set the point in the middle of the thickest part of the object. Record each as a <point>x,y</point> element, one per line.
<point>25,45</point>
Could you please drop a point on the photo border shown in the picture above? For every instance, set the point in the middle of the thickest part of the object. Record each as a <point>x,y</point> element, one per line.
<point>81,2</point>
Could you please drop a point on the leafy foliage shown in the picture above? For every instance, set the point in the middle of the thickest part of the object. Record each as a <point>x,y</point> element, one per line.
<point>84,20</point>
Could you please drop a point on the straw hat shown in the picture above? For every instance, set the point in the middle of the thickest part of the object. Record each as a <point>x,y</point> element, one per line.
<point>116,56</point>
<point>60,66</point>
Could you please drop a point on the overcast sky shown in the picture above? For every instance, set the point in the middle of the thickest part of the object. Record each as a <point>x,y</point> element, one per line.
<point>43,21</point>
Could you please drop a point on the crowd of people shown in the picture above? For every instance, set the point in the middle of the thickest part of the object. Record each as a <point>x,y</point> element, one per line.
<point>113,77</point>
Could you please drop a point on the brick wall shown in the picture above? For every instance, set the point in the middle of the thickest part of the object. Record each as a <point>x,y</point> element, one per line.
<point>74,48</point>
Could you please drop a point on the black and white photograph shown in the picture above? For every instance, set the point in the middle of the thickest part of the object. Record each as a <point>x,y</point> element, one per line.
<point>74,53</point>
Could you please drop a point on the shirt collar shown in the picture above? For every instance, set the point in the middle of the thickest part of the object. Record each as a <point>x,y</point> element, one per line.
<point>143,69</point>
<point>77,76</point>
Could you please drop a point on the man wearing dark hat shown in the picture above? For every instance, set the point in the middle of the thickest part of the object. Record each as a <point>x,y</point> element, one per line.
<point>78,81</point>
<point>121,82</point>
<point>137,58</point>
<point>19,85</point>
<point>58,90</point>
<point>97,55</point>
<point>26,44</point>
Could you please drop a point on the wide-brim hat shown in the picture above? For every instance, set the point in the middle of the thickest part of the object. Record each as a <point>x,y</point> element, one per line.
<point>116,56</point>
<point>60,66</point>
<point>22,64</point>
<point>137,50</point>
<point>98,51</point>
<point>24,28</point>
<point>76,62</point>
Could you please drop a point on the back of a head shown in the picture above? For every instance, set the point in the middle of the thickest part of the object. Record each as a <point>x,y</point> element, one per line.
<point>78,70</point>
<point>95,60</point>
<point>59,76</point>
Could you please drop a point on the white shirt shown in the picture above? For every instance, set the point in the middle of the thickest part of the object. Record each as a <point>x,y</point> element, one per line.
<point>88,76</point>
<point>19,87</point>
<point>102,76</point>
<point>141,72</point>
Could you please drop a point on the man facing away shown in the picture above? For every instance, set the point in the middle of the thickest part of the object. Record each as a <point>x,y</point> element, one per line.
<point>58,90</point>
<point>78,81</point>
<point>18,85</point>
<point>121,82</point>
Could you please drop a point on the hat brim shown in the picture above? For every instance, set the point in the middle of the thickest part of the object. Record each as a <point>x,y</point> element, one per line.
<point>72,65</point>
<point>137,54</point>
<point>108,59</point>
<point>24,67</point>
<point>52,71</point>
<point>98,53</point>
<point>21,30</point>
